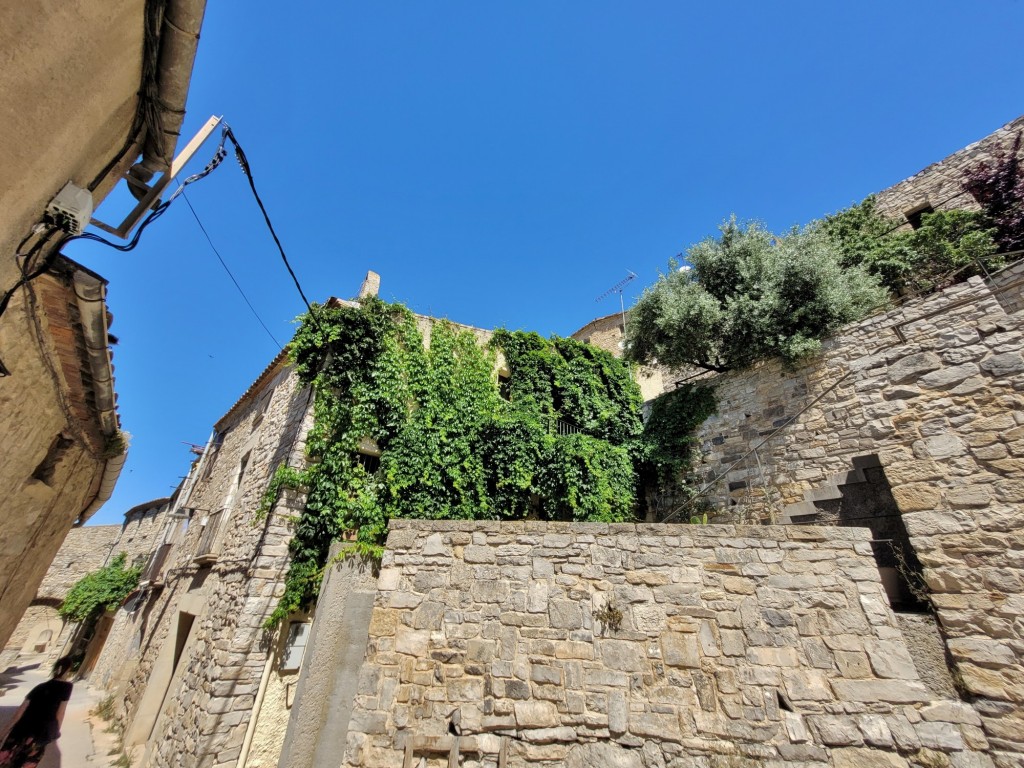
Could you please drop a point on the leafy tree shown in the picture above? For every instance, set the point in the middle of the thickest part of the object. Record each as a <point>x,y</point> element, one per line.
<point>999,188</point>
<point>942,250</point>
<point>101,590</point>
<point>749,295</point>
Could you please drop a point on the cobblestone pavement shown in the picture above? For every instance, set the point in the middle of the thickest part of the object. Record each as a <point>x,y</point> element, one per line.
<point>83,742</point>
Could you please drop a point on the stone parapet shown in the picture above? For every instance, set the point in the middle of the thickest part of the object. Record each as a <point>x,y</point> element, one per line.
<point>643,645</point>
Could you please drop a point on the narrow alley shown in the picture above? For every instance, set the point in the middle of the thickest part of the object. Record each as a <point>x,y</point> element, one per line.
<point>83,742</point>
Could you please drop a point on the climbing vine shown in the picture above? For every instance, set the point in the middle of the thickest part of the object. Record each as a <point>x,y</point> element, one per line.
<point>411,420</point>
<point>668,448</point>
<point>103,589</point>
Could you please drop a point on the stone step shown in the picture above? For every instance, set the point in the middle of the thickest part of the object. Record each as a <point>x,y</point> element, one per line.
<point>800,509</point>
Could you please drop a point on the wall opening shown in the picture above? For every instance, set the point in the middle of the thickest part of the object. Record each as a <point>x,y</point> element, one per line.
<point>48,466</point>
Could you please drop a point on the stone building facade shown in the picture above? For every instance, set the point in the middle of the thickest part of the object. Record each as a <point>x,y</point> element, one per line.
<point>206,663</point>
<point>42,635</point>
<point>82,103</point>
<point>910,423</point>
<point>940,186</point>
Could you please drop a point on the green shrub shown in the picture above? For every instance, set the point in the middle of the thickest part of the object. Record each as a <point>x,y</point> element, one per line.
<point>101,590</point>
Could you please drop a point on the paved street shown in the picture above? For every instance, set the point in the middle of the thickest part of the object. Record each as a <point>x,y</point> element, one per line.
<point>83,743</point>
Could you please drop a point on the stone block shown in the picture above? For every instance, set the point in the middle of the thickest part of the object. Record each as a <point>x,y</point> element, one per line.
<point>836,730</point>
<point>951,712</point>
<point>680,649</point>
<point>863,757</point>
<point>945,378</point>
<point>475,553</point>
<point>892,691</point>
<point>969,496</point>
<point>806,685</point>
<point>876,732</point>
<point>890,659</point>
<point>561,734</point>
<point>773,657</point>
<point>622,655</point>
<point>1006,364</point>
<point>565,614</point>
<point>939,736</point>
<point>939,447</point>
<point>983,651</point>
<point>914,497</point>
<point>912,367</point>
<point>412,642</point>
<point>535,714</point>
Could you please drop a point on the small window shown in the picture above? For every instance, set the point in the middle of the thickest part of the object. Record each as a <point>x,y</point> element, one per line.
<point>261,408</point>
<point>914,216</point>
<point>370,463</point>
<point>294,646</point>
<point>505,386</point>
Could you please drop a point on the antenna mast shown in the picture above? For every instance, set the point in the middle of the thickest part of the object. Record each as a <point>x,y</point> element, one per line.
<point>618,288</point>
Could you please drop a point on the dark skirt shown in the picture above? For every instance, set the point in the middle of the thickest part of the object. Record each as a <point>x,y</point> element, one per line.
<point>24,753</point>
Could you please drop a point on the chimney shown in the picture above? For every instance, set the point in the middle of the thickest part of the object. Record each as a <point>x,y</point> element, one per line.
<point>371,285</point>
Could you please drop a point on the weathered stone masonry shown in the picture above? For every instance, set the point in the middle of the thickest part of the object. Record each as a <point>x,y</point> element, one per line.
<point>738,646</point>
<point>931,392</point>
<point>195,710</point>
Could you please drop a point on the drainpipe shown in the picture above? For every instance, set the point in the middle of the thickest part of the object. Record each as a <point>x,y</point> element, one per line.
<point>179,38</point>
<point>250,729</point>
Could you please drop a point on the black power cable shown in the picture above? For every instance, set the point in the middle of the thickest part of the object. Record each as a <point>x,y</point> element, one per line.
<point>243,163</point>
<point>226,135</point>
<point>226,269</point>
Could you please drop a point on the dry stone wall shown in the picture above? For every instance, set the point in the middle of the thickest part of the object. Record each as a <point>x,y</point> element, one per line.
<point>930,392</point>
<point>587,644</point>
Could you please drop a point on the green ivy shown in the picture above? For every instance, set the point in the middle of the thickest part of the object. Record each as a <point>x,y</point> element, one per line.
<point>283,477</point>
<point>561,446</point>
<point>101,590</point>
<point>668,434</point>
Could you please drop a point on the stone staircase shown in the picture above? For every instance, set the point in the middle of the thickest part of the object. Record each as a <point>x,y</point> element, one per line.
<point>804,511</point>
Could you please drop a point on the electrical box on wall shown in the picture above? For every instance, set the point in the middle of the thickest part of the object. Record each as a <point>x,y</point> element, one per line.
<point>71,209</point>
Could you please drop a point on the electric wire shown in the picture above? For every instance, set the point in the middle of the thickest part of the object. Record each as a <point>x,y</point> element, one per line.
<point>243,163</point>
<point>226,269</point>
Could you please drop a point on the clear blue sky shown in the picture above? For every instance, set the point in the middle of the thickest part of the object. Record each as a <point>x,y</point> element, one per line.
<point>502,164</point>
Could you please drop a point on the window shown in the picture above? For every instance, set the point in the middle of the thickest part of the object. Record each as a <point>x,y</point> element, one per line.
<point>294,646</point>
<point>261,408</point>
<point>914,215</point>
<point>370,463</point>
<point>504,386</point>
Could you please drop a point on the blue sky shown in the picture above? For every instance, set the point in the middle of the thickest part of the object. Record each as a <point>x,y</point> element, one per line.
<point>503,164</point>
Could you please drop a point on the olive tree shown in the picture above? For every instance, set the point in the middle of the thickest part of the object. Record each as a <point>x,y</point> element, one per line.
<point>749,295</point>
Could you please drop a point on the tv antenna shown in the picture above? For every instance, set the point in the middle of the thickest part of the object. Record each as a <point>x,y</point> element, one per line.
<point>618,288</point>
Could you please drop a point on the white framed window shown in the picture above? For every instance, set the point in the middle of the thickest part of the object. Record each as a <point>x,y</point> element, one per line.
<point>294,646</point>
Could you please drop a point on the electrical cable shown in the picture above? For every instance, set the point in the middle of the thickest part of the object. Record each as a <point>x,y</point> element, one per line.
<point>226,269</point>
<point>29,275</point>
<point>243,163</point>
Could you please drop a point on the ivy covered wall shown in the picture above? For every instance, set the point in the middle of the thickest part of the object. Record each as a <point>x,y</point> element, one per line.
<point>408,427</point>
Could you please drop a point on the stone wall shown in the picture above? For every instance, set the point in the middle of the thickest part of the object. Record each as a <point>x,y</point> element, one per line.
<point>204,649</point>
<point>930,393</point>
<point>83,551</point>
<point>941,184</point>
<point>586,644</point>
<point>143,531</point>
<point>71,77</point>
